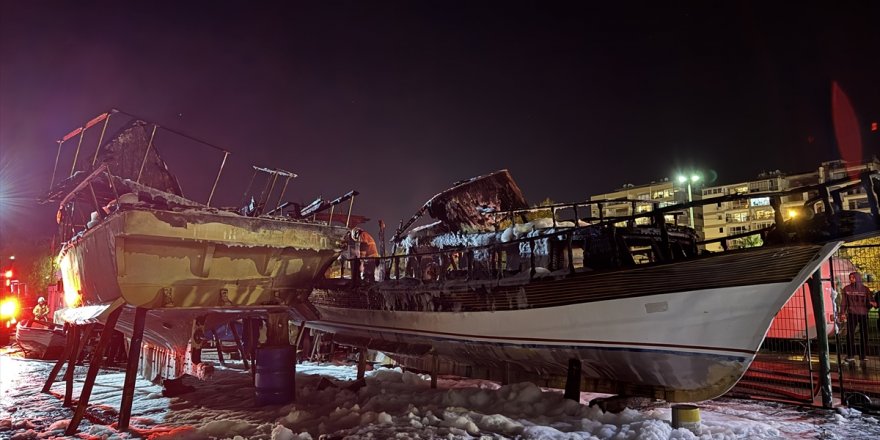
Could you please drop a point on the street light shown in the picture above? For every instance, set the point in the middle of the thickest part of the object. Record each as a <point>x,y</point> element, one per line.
<point>694,178</point>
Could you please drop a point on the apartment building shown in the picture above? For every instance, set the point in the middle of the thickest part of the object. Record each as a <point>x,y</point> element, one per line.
<point>732,218</point>
<point>633,199</point>
<point>716,221</point>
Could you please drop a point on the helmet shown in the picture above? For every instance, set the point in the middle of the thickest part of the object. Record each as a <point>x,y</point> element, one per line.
<point>356,233</point>
<point>41,300</point>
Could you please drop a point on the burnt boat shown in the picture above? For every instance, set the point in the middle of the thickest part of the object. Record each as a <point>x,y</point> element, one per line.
<point>40,341</point>
<point>632,301</point>
<point>132,241</point>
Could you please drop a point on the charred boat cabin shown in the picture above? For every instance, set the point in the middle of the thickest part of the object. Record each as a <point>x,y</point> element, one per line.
<point>140,257</point>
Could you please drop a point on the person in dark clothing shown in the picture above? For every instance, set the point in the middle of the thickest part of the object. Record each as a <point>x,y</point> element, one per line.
<point>197,340</point>
<point>857,299</point>
<point>877,303</point>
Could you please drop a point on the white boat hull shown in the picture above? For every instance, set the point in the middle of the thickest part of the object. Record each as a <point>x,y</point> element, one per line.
<point>685,345</point>
<point>189,264</point>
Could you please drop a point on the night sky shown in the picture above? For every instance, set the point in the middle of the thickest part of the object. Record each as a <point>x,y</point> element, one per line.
<point>398,100</point>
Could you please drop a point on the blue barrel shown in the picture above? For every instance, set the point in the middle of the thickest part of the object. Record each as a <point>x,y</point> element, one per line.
<point>276,367</point>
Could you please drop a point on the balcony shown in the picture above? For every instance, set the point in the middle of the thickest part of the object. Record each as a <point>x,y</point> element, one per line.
<point>737,218</point>
<point>738,204</point>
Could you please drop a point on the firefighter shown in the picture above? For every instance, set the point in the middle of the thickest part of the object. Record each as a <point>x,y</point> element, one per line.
<point>364,246</point>
<point>41,310</point>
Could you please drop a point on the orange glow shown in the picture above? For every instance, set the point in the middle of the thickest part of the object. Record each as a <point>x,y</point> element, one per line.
<point>873,126</point>
<point>8,308</point>
<point>8,273</point>
<point>72,299</point>
<point>70,280</point>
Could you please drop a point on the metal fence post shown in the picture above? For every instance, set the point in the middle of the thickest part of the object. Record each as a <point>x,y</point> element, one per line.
<point>816,295</point>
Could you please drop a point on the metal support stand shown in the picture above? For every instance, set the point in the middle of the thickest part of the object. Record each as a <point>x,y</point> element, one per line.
<point>299,338</point>
<point>293,377</point>
<point>362,363</point>
<point>219,349</point>
<point>72,338</point>
<point>134,355</point>
<point>573,380</point>
<point>816,296</point>
<point>94,366</point>
<point>252,338</point>
<point>316,347</point>
<point>60,363</point>
<point>435,368</point>
<point>238,344</point>
<point>82,336</point>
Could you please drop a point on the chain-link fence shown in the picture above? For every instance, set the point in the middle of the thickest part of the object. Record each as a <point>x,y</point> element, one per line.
<point>858,343</point>
<point>787,366</point>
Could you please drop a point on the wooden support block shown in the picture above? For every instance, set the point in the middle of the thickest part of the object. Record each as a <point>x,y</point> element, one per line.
<point>134,354</point>
<point>94,366</point>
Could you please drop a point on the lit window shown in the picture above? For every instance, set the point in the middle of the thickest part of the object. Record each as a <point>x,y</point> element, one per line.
<point>760,201</point>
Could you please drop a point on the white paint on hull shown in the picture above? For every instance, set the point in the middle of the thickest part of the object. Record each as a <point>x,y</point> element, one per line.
<point>690,345</point>
<point>728,321</point>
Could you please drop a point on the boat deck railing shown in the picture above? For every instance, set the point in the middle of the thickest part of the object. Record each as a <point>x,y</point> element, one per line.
<point>571,235</point>
<point>99,185</point>
<point>103,120</point>
<point>828,193</point>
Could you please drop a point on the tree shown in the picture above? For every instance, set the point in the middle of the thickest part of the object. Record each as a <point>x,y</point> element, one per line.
<point>865,254</point>
<point>41,274</point>
<point>751,241</point>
